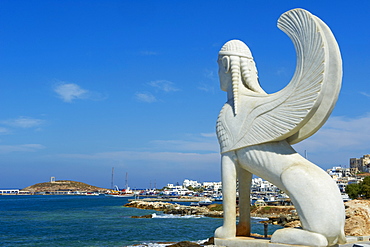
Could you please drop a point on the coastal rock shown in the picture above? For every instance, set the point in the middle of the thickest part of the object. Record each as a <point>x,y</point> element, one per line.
<point>357,214</point>
<point>184,244</point>
<point>357,218</point>
<point>210,241</point>
<point>157,206</point>
<point>214,214</point>
<point>143,216</point>
<point>295,224</point>
<point>273,211</point>
<point>169,208</point>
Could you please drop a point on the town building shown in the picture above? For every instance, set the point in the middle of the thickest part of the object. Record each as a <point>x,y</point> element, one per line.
<point>339,172</point>
<point>9,191</point>
<point>191,183</point>
<point>360,165</point>
<point>215,186</point>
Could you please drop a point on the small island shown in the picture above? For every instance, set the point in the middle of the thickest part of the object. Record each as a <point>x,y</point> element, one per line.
<point>63,187</point>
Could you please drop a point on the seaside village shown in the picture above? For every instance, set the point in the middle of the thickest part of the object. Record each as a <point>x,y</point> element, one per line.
<point>262,192</point>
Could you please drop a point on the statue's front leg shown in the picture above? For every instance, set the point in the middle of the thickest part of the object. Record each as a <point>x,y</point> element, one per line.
<point>228,176</point>
<point>245,179</point>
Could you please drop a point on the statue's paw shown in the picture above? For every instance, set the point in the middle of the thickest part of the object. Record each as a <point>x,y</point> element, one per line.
<point>223,232</point>
<point>298,237</point>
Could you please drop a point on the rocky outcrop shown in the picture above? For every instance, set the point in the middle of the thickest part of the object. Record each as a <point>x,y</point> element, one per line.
<point>278,215</point>
<point>157,206</point>
<point>170,208</point>
<point>273,211</point>
<point>184,244</point>
<point>357,218</point>
<point>143,216</point>
<point>357,214</point>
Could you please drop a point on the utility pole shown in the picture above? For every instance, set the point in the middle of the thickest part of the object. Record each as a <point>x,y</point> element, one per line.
<point>112,180</point>
<point>126,182</point>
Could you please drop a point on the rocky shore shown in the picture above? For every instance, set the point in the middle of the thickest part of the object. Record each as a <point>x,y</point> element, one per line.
<point>357,214</point>
<point>357,218</point>
<point>170,208</point>
<point>281,215</point>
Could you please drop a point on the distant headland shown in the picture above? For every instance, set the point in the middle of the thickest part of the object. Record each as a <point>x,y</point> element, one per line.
<point>62,185</point>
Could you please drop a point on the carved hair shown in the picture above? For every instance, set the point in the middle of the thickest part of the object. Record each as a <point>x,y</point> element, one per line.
<point>235,76</point>
<point>241,61</point>
<point>235,48</point>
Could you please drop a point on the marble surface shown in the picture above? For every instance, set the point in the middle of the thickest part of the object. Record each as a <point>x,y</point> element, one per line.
<point>255,131</point>
<point>265,242</point>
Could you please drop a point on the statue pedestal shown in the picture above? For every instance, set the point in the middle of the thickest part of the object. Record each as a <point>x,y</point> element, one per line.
<point>243,241</point>
<point>265,242</point>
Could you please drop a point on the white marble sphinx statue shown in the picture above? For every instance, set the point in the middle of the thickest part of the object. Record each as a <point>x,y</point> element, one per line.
<point>255,131</point>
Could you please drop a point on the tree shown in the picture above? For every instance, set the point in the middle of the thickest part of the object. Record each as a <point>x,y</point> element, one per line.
<point>361,189</point>
<point>365,187</point>
<point>196,189</point>
<point>353,190</point>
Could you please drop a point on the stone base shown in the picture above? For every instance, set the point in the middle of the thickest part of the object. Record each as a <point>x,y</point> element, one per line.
<point>265,242</point>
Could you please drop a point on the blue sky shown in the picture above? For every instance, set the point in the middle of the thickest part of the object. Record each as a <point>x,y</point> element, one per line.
<point>91,85</point>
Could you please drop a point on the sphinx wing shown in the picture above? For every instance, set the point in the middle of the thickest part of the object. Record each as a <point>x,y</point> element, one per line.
<point>281,115</point>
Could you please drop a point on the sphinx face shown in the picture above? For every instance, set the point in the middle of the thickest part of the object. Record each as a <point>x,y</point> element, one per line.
<point>224,75</point>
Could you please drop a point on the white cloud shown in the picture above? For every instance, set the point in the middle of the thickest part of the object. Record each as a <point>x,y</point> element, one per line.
<point>338,140</point>
<point>164,85</point>
<point>341,132</point>
<point>70,91</point>
<point>4,131</point>
<point>148,53</point>
<point>175,163</point>
<point>187,145</point>
<point>206,87</point>
<point>282,71</point>
<point>209,135</point>
<point>209,74</point>
<point>198,149</point>
<point>20,148</point>
<point>365,94</point>
<point>23,122</point>
<point>210,79</point>
<point>203,142</point>
<point>145,97</point>
<point>148,156</point>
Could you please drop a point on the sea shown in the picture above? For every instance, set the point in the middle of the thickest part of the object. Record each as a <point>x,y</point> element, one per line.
<point>62,220</point>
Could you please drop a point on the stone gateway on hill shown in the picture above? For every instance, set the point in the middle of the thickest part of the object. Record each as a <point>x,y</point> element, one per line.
<point>255,131</point>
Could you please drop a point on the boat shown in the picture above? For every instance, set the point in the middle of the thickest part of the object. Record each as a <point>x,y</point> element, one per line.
<point>205,202</point>
<point>218,198</point>
<point>127,192</point>
<point>194,204</point>
<point>120,194</point>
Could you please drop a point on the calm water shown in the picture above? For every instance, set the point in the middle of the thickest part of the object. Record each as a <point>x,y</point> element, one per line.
<point>94,221</point>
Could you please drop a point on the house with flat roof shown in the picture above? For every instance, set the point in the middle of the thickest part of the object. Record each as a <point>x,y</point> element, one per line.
<point>9,191</point>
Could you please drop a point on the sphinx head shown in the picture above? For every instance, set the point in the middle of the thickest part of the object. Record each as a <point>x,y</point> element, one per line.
<point>237,70</point>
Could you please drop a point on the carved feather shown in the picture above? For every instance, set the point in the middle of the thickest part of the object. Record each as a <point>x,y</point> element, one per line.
<point>290,113</point>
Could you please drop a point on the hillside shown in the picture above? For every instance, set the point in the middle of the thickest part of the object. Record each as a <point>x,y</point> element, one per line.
<point>62,185</point>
